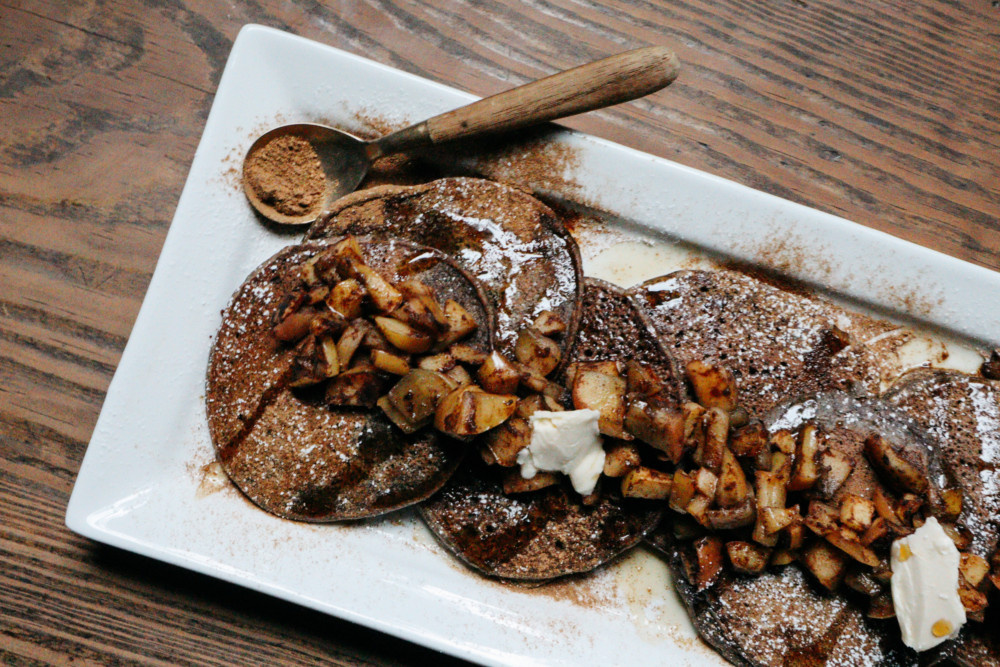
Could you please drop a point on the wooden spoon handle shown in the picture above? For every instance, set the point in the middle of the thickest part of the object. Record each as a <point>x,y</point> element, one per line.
<point>602,83</point>
<point>612,80</point>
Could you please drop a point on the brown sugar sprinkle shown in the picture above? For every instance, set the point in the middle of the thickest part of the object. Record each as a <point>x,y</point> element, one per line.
<point>286,173</point>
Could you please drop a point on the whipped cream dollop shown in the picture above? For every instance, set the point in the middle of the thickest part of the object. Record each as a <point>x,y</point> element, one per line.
<point>925,587</point>
<point>568,442</point>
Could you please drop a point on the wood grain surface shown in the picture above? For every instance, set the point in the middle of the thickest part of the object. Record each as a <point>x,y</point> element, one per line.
<point>886,112</point>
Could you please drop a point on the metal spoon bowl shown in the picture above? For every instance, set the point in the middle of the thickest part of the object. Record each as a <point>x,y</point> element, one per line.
<point>345,159</point>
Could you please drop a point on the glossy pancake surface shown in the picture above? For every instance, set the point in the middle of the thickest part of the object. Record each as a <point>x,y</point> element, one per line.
<point>507,239</point>
<point>549,533</point>
<point>287,451</point>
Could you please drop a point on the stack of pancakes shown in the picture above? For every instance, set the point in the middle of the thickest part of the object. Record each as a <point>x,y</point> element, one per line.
<point>506,257</point>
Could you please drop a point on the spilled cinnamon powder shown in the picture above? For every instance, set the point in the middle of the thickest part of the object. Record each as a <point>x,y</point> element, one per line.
<point>286,173</point>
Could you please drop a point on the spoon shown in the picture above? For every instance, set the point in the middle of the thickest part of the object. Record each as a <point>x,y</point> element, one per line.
<point>345,159</point>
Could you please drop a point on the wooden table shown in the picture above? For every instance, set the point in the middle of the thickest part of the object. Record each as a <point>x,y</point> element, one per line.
<point>883,111</point>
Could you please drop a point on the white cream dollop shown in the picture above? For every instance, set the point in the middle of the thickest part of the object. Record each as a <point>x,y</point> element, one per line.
<point>568,442</point>
<point>925,587</point>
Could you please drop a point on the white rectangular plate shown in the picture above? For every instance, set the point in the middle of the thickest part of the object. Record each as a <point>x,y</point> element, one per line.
<point>147,483</point>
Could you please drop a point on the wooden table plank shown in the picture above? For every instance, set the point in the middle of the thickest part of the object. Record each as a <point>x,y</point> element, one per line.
<point>883,111</point>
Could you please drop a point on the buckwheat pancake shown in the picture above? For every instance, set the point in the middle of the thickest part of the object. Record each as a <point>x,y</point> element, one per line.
<point>514,244</point>
<point>962,415</point>
<point>776,342</point>
<point>783,617</point>
<point>550,533</point>
<point>288,451</point>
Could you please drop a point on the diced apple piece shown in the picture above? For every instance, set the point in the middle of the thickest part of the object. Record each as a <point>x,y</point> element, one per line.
<point>784,441</point>
<point>770,494</point>
<point>908,505</point>
<point>881,607</point>
<point>716,436</point>
<point>413,289</point>
<point>747,557</point>
<point>497,375</point>
<point>848,542</point>
<point>548,323</point>
<point>469,411</point>
<point>397,417</point>
<point>317,270</point>
<point>694,427</point>
<point>642,380</point>
<point>974,568</point>
<point>308,365</point>
<point>834,468</point>
<point>748,441</point>
<point>529,405</point>
<point>893,467</point>
<point>346,255</point>
<point>620,458</point>
<point>961,537</point>
<point>460,323</point>
<point>290,320</point>
<point>327,323</point>
<point>862,581</point>
<point>414,311</point>
<point>827,563</point>
<point>730,518</point>
<point>714,386</point>
<point>460,376</point>
<point>346,298</point>
<point>856,512</point>
<point>507,439</point>
<point>705,481</point>
<point>775,519</point>
<point>974,601</point>
<point>358,387</point>
<point>385,297</point>
<point>350,340</point>
<point>390,363</point>
<point>376,340</point>
<point>647,483</point>
<point>467,354</point>
<point>442,363</point>
<point>885,507</point>
<point>708,559</point>
<point>404,337</point>
<point>781,557</point>
<point>682,490</point>
<point>662,428</point>
<point>732,488</point>
<point>781,465</point>
<point>951,502</point>
<point>514,483</point>
<point>875,532</point>
<point>805,472</point>
<point>418,393</point>
<point>538,352</point>
<point>770,489</point>
<point>795,535</point>
<point>604,393</point>
<point>331,359</point>
<point>822,519</point>
<point>535,382</point>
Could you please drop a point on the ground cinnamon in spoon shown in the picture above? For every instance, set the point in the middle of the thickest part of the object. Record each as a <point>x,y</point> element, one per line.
<point>286,174</point>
